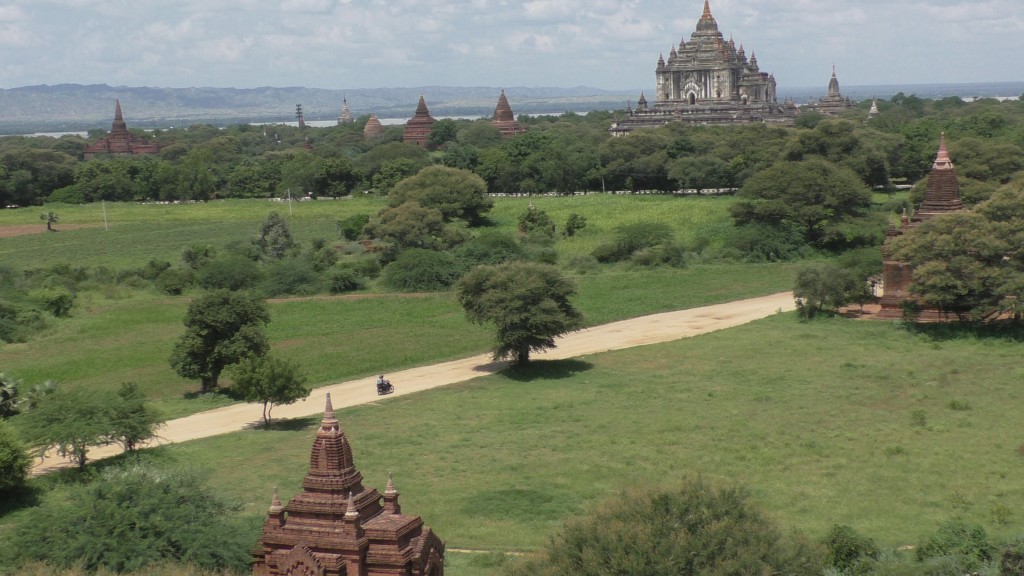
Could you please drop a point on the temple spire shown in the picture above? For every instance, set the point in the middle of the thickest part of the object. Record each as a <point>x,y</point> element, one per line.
<point>329,422</point>
<point>117,111</point>
<point>275,503</point>
<point>707,11</point>
<point>942,160</point>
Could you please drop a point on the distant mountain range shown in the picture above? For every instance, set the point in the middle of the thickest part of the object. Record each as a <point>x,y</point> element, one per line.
<point>77,107</point>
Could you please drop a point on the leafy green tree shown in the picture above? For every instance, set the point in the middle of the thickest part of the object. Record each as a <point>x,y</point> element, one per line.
<point>441,132</point>
<point>70,421</point>
<point>350,228</point>
<point>221,329</point>
<point>275,239</point>
<point>697,529</point>
<point>56,300</point>
<point>701,172</point>
<point>15,461</point>
<point>534,220</point>
<point>458,194</point>
<point>50,218</point>
<point>528,303</point>
<point>229,272</point>
<point>270,381</point>
<point>847,548</point>
<point>409,225</point>
<point>822,289</point>
<point>134,517</point>
<point>813,198</point>
<point>133,419</point>
<point>574,223</point>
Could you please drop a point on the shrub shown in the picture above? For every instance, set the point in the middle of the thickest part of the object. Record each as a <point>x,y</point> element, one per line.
<point>695,529</point>
<point>422,270</point>
<point>846,548</point>
<point>633,238</point>
<point>291,276</point>
<point>534,220</point>
<point>489,248</point>
<point>573,224</point>
<point>352,227</point>
<point>822,289</point>
<point>231,272</point>
<point>174,281</point>
<point>57,301</point>
<point>345,280</point>
<point>137,517</point>
<point>956,538</point>
<point>198,254</point>
<point>14,460</point>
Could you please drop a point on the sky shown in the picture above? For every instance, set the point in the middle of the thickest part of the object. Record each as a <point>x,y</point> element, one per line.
<point>610,44</point>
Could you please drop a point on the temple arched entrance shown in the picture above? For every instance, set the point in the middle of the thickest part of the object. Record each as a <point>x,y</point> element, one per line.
<point>691,98</point>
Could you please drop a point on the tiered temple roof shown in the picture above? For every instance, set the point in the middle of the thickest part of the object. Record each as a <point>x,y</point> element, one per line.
<point>941,196</point>
<point>417,129</point>
<point>336,526</point>
<point>503,118</point>
<point>834,102</point>
<point>120,142</point>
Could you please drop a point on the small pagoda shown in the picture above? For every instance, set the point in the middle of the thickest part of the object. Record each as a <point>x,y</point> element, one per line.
<point>417,129</point>
<point>504,120</point>
<point>941,196</point>
<point>373,128</point>
<point>120,142</point>
<point>337,527</point>
<point>346,115</point>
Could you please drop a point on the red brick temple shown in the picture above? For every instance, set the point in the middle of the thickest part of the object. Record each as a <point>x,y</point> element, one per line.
<point>120,142</point>
<point>336,527</point>
<point>941,196</point>
<point>373,128</point>
<point>417,129</point>
<point>504,120</point>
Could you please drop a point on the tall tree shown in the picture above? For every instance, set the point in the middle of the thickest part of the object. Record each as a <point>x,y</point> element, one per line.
<point>133,420</point>
<point>528,303</point>
<point>221,328</point>
<point>70,421</point>
<point>275,239</point>
<point>14,459</point>
<point>270,381</point>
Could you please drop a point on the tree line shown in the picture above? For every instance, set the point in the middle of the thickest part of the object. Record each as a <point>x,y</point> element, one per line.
<point>560,154</point>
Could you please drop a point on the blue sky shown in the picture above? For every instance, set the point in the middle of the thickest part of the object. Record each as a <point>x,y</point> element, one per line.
<point>340,44</point>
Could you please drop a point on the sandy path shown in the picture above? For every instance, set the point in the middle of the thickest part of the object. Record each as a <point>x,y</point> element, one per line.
<point>651,329</point>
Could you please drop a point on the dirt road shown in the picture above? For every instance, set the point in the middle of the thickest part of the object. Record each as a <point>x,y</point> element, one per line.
<point>617,335</point>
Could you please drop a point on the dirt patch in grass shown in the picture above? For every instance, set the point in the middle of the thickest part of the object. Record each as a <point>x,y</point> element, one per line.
<point>12,230</point>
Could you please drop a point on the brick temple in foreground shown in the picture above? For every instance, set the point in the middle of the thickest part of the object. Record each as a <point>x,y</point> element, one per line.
<point>336,527</point>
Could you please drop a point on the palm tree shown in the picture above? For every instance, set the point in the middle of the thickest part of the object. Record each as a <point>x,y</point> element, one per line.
<point>50,218</point>
<point>8,395</point>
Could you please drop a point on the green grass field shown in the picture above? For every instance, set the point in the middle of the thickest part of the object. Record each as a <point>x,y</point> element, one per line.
<point>839,421</point>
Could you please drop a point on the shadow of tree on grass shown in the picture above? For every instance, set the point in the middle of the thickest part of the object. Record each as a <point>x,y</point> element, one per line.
<point>547,370</point>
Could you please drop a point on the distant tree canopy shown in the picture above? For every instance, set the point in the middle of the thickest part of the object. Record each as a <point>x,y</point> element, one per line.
<point>457,194</point>
<point>813,198</point>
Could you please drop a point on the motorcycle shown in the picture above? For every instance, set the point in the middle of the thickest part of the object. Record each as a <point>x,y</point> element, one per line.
<point>384,388</point>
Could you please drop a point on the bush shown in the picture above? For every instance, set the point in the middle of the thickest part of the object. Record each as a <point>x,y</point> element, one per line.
<point>345,280</point>
<point>956,538</point>
<point>632,238</point>
<point>489,248</point>
<point>822,289</point>
<point>574,223</point>
<point>137,517</point>
<point>174,281</point>
<point>695,529</point>
<point>57,301</point>
<point>232,272</point>
<point>14,460</point>
<point>846,548</point>
<point>291,276</point>
<point>534,220</point>
<point>422,270</point>
<point>351,228</point>
<point>759,243</point>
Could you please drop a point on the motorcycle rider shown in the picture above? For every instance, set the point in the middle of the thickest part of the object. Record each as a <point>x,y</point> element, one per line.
<point>382,384</point>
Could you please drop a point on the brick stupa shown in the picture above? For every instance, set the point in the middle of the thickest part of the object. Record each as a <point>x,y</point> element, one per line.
<point>941,196</point>
<point>417,129</point>
<point>504,120</point>
<point>120,142</point>
<point>336,527</point>
<point>373,128</point>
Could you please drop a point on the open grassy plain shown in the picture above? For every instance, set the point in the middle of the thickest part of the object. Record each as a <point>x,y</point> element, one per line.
<point>118,334</point>
<point>837,421</point>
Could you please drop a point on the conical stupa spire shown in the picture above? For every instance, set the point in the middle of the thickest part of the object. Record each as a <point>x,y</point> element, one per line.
<point>707,11</point>
<point>421,108</point>
<point>275,503</point>
<point>117,111</point>
<point>942,160</point>
<point>329,422</point>
<point>390,488</point>
<point>351,512</point>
